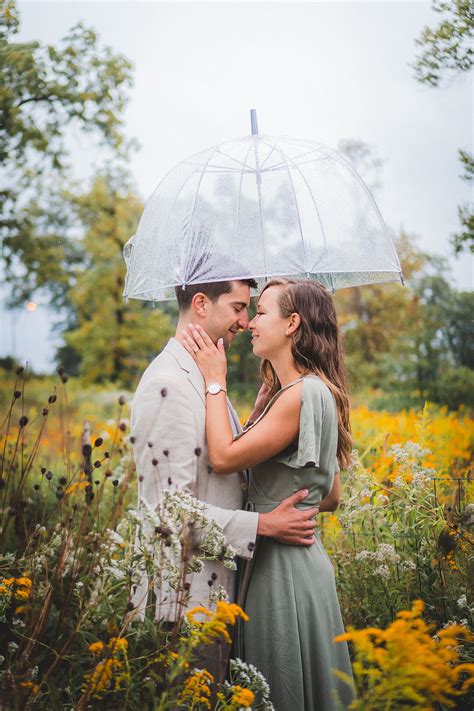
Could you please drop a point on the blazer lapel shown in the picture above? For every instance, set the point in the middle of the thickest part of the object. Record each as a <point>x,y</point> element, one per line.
<point>186,363</point>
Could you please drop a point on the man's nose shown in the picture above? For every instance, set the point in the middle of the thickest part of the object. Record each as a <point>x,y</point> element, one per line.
<point>243,320</point>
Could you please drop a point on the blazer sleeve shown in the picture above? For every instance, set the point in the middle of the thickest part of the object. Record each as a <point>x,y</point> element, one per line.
<point>165,438</point>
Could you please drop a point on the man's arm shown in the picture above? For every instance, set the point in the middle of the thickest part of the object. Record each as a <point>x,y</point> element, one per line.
<point>165,445</point>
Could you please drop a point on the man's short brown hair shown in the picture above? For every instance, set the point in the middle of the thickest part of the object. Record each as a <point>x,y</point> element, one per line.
<point>212,290</point>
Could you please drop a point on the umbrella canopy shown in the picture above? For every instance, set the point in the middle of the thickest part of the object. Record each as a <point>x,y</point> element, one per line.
<point>259,207</point>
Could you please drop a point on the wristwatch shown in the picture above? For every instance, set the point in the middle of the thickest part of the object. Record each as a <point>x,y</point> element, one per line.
<point>215,388</point>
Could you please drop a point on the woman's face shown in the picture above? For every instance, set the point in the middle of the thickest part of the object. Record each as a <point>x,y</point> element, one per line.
<point>268,328</point>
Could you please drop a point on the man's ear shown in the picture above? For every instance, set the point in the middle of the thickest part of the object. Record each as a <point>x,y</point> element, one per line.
<point>200,304</point>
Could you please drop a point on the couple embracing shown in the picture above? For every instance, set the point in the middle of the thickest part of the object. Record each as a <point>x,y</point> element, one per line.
<point>292,443</point>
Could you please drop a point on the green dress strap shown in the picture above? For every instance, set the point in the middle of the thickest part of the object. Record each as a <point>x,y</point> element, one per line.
<point>267,406</point>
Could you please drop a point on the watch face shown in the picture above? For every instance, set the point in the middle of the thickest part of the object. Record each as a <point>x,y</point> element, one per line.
<point>214,388</point>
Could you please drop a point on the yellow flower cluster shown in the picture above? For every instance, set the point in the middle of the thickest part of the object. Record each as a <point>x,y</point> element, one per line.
<point>214,626</point>
<point>241,698</point>
<point>447,434</point>
<point>115,645</point>
<point>16,588</point>
<point>34,688</point>
<point>101,677</point>
<point>196,690</point>
<point>104,676</point>
<point>407,665</point>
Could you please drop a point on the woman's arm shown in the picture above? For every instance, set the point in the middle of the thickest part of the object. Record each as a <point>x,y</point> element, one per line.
<point>333,499</point>
<point>272,434</point>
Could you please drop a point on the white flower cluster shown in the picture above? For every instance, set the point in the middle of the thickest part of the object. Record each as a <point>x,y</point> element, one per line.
<point>218,594</point>
<point>409,458</point>
<point>384,553</point>
<point>178,531</point>
<point>249,677</point>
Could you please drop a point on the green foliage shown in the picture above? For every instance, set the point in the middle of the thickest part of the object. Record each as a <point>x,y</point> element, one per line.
<point>44,90</point>
<point>465,239</point>
<point>404,340</point>
<point>392,542</point>
<point>70,637</point>
<point>448,47</point>
<point>115,340</point>
<point>455,387</point>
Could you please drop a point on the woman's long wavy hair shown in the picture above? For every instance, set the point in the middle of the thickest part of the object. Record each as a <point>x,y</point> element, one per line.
<point>316,348</point>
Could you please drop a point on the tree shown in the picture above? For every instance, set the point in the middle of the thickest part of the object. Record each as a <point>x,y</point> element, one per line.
<point>448,50</point>
<point>44,90</point>
<point>115,340</point>
<point>375,320</point>
<point>465,239</point>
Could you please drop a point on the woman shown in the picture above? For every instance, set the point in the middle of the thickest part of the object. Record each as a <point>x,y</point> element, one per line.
<point>295,443</point>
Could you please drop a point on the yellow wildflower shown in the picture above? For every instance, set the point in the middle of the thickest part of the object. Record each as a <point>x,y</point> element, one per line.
<point>20,609</point>
<point>406,664</point>
<point>229,612</point>
<point>242,698</point>
<point>118,644</point>
<point>96,647</point>
<point>196,690</point>
<point>34,688</point>
<point>22,594</point>
<point>215,627</point>
<point>24,583</point>
<point>8,581</point>
<point>100,679</point>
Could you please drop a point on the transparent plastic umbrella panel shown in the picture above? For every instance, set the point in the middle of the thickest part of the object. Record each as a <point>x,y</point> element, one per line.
<point>259,207</point>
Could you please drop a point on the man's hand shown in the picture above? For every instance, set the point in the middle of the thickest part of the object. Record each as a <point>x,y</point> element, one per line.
<point>288,524</point>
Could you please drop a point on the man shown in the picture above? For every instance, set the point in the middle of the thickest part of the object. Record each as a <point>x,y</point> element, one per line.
<point>168,423</point>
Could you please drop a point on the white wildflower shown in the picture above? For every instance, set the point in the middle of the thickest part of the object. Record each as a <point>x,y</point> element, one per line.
<point>383,571</point>
<point>218,594</point>
<point>462,601</point>
<point>386,552</point>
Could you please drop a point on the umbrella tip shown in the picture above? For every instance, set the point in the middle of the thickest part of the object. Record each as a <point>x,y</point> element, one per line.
<point>253,122</point>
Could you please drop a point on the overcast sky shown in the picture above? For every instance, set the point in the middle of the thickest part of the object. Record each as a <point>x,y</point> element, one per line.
<point>325,71</point>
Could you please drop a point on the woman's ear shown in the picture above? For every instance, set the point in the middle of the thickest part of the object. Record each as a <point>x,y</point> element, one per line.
<point>199,304</point>
<point>295,321</point>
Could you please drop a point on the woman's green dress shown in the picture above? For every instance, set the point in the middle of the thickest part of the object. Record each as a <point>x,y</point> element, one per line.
<point>289,592</point>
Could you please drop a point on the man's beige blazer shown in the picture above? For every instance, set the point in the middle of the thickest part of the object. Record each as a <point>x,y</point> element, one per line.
<point>168,413</point>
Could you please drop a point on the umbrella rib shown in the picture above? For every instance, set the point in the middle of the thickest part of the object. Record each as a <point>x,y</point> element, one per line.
<point>259,194</point>
<point>347,166</point>
<point>317,212</point>
<point>240,191</point>
<point>295,201</point>
<point>303,155</point>
<point>197,192</point>
<point>268,156</point>
<point>219,168</point>
<point>243,165</point>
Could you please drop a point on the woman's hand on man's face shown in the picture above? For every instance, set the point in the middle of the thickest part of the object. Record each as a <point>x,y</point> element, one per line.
<point>211,359</point>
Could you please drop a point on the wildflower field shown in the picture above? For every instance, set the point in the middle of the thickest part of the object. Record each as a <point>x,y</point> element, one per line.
<point>71,638</point>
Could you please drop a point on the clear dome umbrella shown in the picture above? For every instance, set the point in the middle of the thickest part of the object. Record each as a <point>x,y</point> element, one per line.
<point>259,207</point>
